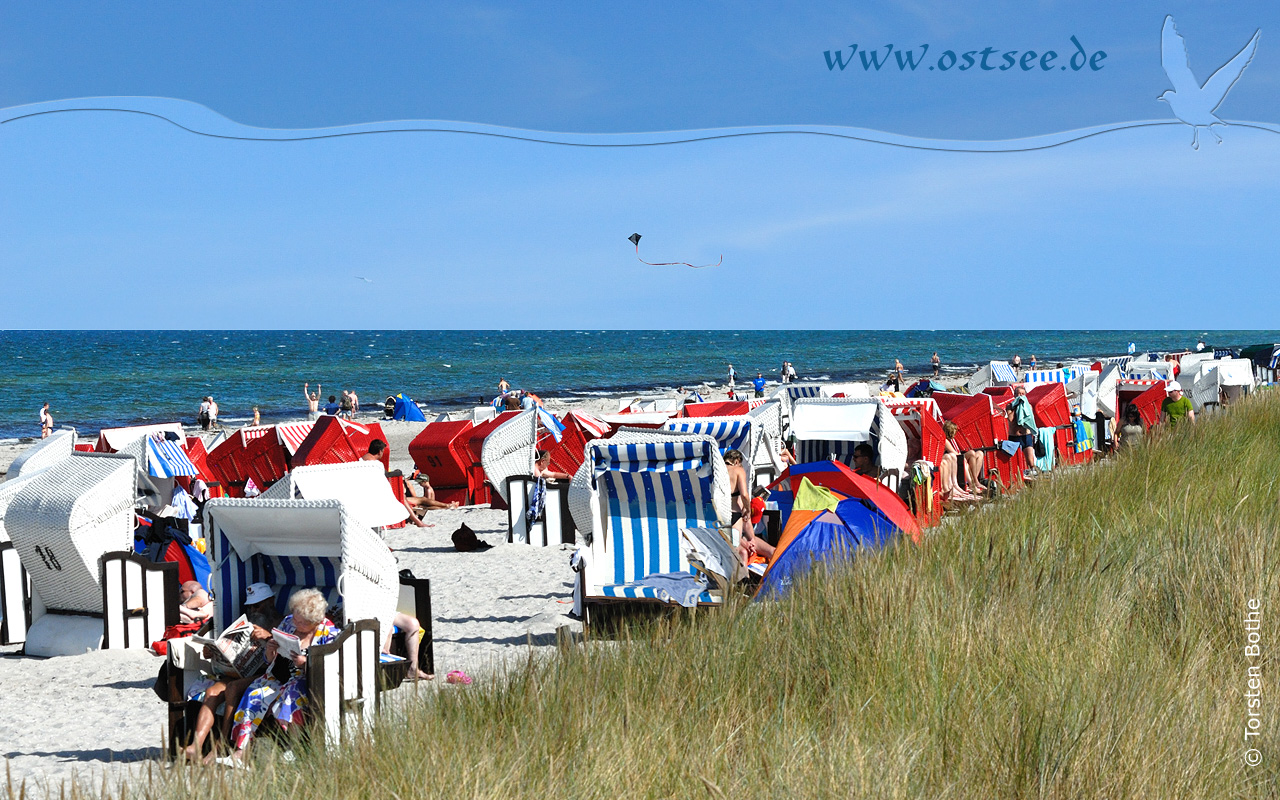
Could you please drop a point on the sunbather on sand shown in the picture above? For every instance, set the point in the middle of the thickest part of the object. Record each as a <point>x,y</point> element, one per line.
<point>195,605</point>
<point>283,697</point>
<point>428,499</point>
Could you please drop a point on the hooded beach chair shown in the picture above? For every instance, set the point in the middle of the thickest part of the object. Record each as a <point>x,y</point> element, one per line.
<point>361,486</point>
<point>298,544</point>
<point>43,453</point>
<point>828,429</point>
<point>631,500</point>
<point>993,373</point>
<point>72,527</point>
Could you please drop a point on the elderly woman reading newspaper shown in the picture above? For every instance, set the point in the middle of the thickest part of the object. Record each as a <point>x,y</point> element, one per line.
<point>282,691</point>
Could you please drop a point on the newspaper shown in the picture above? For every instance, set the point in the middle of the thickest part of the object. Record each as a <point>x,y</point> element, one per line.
<point>288,645</point>
<point>234,653</point>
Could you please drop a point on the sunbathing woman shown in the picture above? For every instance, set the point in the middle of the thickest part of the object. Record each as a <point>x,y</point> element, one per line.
<point>285,696</point>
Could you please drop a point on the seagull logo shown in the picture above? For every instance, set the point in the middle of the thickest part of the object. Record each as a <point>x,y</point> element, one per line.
<point>1190,101</point>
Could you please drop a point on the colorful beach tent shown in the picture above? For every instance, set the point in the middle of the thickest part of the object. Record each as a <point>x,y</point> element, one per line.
<point>838,477</point>
<point>406,410</point>
<point>825,526</point>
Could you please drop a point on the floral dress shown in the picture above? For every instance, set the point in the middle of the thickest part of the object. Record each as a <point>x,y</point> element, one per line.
<point>285,701</point>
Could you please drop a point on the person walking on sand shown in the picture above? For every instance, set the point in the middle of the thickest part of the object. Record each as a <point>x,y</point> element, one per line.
<point>898,368</point>
<point>1033,362</point>
<point>937,364</point>
<point>46,422</point>
<point>313,401</point>
<point>355,402</point>
<point>345,407</point>
<point>213,412</point>
<point>1017,364</point>
<point>782,374</point>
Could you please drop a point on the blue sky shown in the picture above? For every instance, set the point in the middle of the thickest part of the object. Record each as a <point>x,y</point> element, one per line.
<point>129,222</point>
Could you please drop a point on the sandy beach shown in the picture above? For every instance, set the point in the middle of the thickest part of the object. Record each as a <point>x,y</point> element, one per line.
<point>98,715</point>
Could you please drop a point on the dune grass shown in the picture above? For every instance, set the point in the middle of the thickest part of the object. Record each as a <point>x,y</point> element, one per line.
<point>1082,639</point>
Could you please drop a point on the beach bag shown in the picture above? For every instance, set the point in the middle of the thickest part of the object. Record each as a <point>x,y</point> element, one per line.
<point>1040,448</point>
<point>466,541</point>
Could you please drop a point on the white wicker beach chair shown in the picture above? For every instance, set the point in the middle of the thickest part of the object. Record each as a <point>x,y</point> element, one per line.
<point>43,454</point>
<point>635,494</point>
<point>828,429</point>
<point>509,450</point>
<point>61,523</point>
<point>361,486</point>
<point>15,596</point>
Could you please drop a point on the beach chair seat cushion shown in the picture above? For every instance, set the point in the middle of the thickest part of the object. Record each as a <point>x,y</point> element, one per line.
<point>642,591</point>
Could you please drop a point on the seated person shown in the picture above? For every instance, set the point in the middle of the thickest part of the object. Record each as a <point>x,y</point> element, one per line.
<point>542,468</point>
<point>1131,431</point>
<point>282,690</point>
<point>196,605</point>
<point>864,461</point>
<point>428,499</point>
<point>756,550</point>
<point>412,630</point>
<point>260,609</point>
<point>948,470</point>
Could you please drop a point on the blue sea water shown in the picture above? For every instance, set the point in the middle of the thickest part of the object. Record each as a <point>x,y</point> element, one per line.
<point>97,379</point>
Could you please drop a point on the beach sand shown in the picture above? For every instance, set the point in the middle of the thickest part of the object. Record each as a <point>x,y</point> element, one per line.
<point>95,714</point>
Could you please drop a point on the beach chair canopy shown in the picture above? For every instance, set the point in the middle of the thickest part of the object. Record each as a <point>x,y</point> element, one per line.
<point>43,454</point>
<point>921,422</point>
<point>297,544</point>
<point>730,433</point>
<point>1230,376</point>
<point>1064,375</point>
<point>361,486</point>
<point>168,459</point>
<point>406,410</point>
<point>65,518</point>
<point>830,429</point>
<point>993,373</point>
<point>824,526</point>
<point>112,440</point>
<point>1266,356</point>
<point>1150,370</point>
<point>509,450</point>
<point>651,404</point>
<point>291,435</point>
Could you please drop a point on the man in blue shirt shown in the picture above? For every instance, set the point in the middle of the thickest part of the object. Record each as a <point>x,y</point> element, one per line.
<point>759,384</point>
<point>331,408</point>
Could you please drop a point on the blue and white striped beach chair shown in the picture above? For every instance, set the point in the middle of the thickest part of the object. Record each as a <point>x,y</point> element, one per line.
<point>633,497</point>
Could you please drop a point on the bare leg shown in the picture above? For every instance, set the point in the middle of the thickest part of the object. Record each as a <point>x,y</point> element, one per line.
<point>412,641</point>
<point>204,723</point>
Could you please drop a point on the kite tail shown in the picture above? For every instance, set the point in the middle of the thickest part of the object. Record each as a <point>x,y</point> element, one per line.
<point>676,263</point>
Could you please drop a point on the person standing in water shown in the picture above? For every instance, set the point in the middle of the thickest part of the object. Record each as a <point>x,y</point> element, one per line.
<point>937,364</point>
<point>313,401</point>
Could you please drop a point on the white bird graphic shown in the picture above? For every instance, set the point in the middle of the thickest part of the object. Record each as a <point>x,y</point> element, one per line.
<point>362,278</point>
<point>1190,101</point>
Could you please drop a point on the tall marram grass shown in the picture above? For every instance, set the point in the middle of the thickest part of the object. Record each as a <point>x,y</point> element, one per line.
<point>1082,639</point>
